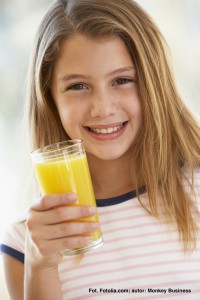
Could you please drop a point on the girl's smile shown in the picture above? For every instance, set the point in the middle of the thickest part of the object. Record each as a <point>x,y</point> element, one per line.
<point>107,132</point>
<point>94,87</point>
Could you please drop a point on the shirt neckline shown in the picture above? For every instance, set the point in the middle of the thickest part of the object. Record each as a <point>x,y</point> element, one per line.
<point>121,198</point>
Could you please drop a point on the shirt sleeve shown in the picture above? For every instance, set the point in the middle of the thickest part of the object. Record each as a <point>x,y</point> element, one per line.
<point>13,241</point>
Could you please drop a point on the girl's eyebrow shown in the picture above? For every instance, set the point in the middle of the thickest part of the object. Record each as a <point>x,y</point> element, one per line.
<point>121,70</point>
<point>68,77</point>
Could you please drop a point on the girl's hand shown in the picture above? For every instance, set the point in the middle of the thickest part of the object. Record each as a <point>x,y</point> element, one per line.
<point>51,227</point>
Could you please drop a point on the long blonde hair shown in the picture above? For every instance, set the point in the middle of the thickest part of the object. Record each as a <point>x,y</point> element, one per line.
<point>170,137</point>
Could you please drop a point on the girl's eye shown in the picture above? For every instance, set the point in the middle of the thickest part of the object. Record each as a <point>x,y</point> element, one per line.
<point>77,86</point>
<point>121,81</point>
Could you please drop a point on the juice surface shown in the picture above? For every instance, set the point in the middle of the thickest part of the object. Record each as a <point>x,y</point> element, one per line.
<point>72,174</point>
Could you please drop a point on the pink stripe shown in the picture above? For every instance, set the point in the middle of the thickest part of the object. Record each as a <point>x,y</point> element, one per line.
<point>134,217</point>
<point>154,221</point>
<point>144,245</point>
<point>196,185</point>
<point>149,234</point>
<point>119,210</point>
<point>122,228</point>
<point>135,266</point>
<point>153,275</point>
<point>95,263</point>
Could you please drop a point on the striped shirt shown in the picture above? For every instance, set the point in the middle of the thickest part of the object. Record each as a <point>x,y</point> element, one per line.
<point>141,258</point>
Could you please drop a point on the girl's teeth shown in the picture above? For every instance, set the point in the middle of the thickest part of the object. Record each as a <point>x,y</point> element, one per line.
<point>109,130</point>
<point>103,130</point>
<point>106,130</point>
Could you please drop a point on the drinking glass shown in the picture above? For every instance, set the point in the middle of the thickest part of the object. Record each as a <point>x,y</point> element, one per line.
<point>63,168</point>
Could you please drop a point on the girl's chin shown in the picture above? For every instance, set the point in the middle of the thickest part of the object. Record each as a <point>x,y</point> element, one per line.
<point>106,155</point>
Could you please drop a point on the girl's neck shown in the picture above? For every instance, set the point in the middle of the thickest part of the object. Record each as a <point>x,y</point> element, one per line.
<point>111,178</point>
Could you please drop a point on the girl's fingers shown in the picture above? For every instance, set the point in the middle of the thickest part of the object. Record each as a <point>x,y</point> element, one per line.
<point>65,213</point>
<point>69,229</point>
<point>54,223</point>
<point>49,201</point>
<point>51,247</point>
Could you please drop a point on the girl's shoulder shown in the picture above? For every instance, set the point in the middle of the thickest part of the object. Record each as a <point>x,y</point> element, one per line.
<point>14,235</point>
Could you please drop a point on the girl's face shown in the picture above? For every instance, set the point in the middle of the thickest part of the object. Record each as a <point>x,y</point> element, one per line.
<point>94,87</point>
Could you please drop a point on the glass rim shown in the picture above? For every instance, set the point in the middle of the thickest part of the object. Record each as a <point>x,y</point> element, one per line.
<point>57,147</point>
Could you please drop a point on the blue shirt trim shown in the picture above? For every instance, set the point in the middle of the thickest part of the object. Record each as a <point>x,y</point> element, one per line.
<point>121,198</point>
<point>12,252</point>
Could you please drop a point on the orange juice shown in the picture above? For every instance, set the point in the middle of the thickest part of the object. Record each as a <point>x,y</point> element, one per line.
<point>63,168</point>
<point>68,175</point>
<point>62,175</point>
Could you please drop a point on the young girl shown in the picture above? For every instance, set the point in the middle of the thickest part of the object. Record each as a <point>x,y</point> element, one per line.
<point>100,73</point>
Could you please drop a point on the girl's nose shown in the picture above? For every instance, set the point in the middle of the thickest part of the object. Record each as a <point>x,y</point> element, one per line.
<point>103,105</point>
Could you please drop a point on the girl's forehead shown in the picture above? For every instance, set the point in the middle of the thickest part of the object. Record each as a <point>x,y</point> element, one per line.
<point>83,38</point>
<point>79,43</point>
<point>84,55</point>
<point>80,47</point>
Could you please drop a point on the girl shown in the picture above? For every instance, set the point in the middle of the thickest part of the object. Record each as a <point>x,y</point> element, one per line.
<point>100,73</point>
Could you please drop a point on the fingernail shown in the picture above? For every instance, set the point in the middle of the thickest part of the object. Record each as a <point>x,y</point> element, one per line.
<point>71,197</point>
<point>92,209</point>
<point>89,239</point>
<point>96,226</point>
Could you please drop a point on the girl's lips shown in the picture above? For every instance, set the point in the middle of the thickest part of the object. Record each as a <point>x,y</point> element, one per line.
<point>107,132</point>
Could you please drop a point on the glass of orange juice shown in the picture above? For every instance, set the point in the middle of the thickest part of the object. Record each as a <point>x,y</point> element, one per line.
<point>63,168</point>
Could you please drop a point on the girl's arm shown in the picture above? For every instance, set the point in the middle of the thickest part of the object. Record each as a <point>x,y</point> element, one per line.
<point>14,276</point>
<point>39,284</point>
